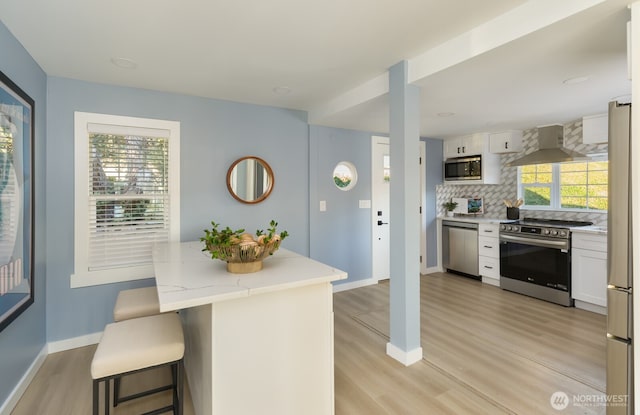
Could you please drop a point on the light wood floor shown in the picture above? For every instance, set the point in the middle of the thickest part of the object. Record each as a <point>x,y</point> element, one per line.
<point>486,351</point>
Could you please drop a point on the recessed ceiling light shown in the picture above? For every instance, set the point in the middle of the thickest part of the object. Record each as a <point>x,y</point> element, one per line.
<point>576,80</point>
<point>282,90</point>
<point>124,63</point>
<point>446,114</point>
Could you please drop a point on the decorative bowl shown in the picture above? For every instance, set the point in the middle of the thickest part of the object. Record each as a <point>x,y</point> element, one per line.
<point>242,252</point>
<point>244,257</point>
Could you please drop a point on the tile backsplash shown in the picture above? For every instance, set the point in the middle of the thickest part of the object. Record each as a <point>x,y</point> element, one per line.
<point>494,194</point>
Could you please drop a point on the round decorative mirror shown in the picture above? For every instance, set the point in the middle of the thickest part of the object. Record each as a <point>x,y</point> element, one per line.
<point>250,180</point>
<point>345,175</point>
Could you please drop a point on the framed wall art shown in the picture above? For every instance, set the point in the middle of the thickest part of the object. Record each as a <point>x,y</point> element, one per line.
<point>16,201</point>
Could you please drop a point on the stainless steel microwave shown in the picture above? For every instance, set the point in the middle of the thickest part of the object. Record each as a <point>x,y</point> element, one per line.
<point>463,168</point>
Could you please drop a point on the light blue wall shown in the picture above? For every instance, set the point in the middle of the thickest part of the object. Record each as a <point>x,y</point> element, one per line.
<point>214,133</point>
<point>25,337</point>
<point>341,236</point>
<point>433,155</point>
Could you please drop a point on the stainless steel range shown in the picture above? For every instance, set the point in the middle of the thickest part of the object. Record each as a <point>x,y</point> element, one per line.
<point>535,258</point>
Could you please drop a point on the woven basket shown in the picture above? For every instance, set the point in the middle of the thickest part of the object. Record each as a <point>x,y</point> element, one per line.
<point>245,257</point>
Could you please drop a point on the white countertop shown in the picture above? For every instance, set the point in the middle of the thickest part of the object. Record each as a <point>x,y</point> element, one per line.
<point>188,277</point>
<point>599,230</point>
<point>473,219</point>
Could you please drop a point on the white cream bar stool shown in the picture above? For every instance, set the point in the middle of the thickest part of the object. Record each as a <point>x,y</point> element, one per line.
<point>137,302</point>
<point>135,345</point>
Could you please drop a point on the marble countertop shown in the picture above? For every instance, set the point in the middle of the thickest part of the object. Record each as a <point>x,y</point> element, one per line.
<point>473,219</point>
<point>600,230</point>
<point>188,277</point>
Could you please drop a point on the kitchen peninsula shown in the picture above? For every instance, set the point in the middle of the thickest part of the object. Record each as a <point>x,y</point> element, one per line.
<point>255,343</point>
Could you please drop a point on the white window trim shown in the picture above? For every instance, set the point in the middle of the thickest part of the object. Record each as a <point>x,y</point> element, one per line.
<point>555,191</point>
<point>81,276</point>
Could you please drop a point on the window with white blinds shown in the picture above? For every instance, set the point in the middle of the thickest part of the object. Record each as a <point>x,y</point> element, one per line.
<point>127,195</point>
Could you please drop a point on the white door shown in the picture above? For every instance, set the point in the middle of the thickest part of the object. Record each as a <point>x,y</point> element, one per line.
<point>381,176</point>
<point>380,207</point>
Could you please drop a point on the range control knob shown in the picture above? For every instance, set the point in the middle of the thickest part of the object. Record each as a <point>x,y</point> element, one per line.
<point>554,232</point>
<point>503,227</point>
<point>545,231</point>
<point>563,233</point>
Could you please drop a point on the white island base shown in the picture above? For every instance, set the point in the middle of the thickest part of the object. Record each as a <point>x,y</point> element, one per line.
<point>259,343</point>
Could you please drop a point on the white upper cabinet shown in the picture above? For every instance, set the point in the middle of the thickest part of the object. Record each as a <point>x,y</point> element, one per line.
<point>468,145</point>
<point>595,129</point>
<point>505,142</point>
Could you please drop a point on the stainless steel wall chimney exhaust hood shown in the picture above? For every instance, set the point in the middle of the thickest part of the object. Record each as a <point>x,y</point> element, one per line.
<point>551,149</point>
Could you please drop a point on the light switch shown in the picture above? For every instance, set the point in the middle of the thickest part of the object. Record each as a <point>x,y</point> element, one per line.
<point>364,204</point>
<point>323,206</point>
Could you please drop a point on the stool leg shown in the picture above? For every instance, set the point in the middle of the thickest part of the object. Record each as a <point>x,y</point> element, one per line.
<point>174,383</point>
<point>116,391</point>
<point>107,398</point>
<point>96,396</point>
<point>180,387</point>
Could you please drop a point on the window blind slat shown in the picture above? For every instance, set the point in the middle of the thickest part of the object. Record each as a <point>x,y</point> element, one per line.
<point>129,195</point>
<point>125,130</point>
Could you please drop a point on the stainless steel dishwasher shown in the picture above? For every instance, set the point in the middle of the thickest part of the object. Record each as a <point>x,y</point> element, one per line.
<point>460,247</point>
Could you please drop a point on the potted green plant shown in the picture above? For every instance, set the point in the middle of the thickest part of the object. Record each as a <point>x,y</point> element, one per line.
<point>450,206</point>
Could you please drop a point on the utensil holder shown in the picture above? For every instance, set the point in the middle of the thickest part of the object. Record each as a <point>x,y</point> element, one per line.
<point>513,213</point>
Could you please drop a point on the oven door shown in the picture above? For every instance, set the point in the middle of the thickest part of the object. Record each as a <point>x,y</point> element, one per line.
<point>537,261</point>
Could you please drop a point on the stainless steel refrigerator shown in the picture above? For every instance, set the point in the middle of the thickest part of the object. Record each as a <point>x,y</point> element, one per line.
<point>619,262</point>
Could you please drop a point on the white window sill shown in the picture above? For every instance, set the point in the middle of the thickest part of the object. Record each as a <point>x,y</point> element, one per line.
<point>88,279</point>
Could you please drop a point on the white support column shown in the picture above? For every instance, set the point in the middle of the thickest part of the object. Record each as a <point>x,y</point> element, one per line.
<point>404,122</point>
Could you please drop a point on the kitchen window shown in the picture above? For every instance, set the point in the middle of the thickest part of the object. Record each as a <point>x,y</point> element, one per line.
<point>578,185</point>
<point>126,195</point>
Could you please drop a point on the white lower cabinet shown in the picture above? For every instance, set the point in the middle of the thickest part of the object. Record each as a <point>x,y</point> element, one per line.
<point>589,271</point>
<point>489,253</point>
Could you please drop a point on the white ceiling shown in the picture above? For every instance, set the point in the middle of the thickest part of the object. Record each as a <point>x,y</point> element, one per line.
<point>327,50</point>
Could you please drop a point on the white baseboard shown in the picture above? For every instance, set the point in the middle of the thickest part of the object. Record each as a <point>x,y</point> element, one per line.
<point>355,284</point>
<point>591,307</point>
<point>431,270</point>
<point>74,342</point>
<point>406,358</point>
<point>12,400</point>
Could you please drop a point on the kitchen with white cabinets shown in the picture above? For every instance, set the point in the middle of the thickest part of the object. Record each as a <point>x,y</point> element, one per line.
<point>585,255</point>
<point>586,259</point>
